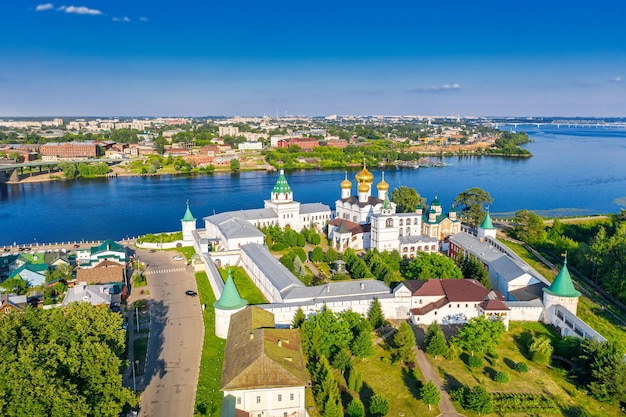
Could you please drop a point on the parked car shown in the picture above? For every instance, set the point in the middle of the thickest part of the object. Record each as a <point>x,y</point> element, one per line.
<point>177,258</point>
<point>191,293</point>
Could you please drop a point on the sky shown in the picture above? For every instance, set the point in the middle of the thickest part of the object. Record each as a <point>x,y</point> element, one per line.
<point>314,58</point>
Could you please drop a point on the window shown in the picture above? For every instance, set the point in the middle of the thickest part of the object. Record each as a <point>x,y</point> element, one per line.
<point>401,223</point>
<point>238,400</point>
<point>389,223</point>
<point>285,414</point>
<point>291,397</point>
<point>280,397</point>
<point>258,399</point>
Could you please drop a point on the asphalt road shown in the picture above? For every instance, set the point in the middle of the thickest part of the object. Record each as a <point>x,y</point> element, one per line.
<point>176,335</point>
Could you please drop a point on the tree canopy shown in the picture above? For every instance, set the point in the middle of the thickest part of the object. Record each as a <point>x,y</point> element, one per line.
<point>529,227</point>
<point>71,359</point>
<point>407,199</point>
<point>473,201</point>
<point>431,266</point>
<point>480,334</point>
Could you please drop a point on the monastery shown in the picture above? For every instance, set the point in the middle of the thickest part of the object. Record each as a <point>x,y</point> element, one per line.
<point>360,222</point>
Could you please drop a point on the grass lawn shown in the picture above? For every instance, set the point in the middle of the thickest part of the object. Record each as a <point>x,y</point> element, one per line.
<point>187,251</point>
<point>397,383</point>
<point>244,285</point>
<point>208,395</point>
<point>540,379</point>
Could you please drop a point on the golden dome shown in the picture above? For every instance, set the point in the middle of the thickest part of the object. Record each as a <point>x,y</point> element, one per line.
<point>365,175</point>
<point>346,184</point>
<point>382,185</point>
<point>363,187</point>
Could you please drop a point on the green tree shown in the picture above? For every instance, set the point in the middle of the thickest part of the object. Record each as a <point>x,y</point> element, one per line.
<point>355,408</point>
<point>317,255</point>
<point>431,266</point>
<point>362,346</point>
<point>479,401</point>
<point>473,200</point>
<point>79,374</point>
<point>234,165</point>
<point>404,343</point>
<point>480,334</point>
<point>435,342</point>
<point>333,408</point>
<point>529,227</point>
<point>375,314</point>
<point>473,268</point>
<point>331,255</point>
<point>343,360</point>
<point>379,405</point>
<point>407,199</point>
<point>16,285</point>
<point>540,349</point>
<point>298,319</point>
<point>430,394</point>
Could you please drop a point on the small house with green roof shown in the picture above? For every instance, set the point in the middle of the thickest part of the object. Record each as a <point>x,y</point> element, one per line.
<point>229,303</point>
<point>107,250</point>
<point>34,274</point>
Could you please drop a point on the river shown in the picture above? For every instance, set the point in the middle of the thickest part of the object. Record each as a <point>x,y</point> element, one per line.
<point>573,171</point>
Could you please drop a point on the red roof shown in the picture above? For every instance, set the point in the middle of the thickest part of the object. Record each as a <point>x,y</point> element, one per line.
<point>425,288</point>
<point>464,290</point>
<point>353,227</point>
<point>493,305</point>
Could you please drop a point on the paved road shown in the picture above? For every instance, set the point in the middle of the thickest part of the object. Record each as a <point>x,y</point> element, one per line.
<point>176,335</point>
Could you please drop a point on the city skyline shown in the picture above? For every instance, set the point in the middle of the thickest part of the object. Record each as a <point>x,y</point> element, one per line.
<point>195,59</point>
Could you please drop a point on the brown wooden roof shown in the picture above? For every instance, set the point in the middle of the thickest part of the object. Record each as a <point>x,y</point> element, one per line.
<point>464,290</point>
<point>425,287</point>
<point>260,356</point>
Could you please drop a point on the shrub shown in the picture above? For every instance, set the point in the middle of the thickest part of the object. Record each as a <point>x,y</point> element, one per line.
<point>277,247</point>
<point>301,254</point>
<point>475,361</point>
<point>355,408</point>
<point>521,367</point>
<point>502,377</point>
<point>379,405</point>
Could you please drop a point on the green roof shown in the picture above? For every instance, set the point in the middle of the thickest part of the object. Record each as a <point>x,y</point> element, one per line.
<point>108,245</point>
<point>436,202</point>
<point>281,187</point>
<point>188,216</point>
<point>30,257</point>
<point>230,298</point>
<point>562,286</point>
<point>486,224</point>
<point>40,269</point>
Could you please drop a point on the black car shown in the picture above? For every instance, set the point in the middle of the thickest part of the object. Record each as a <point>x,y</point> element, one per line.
<point>191,293</point>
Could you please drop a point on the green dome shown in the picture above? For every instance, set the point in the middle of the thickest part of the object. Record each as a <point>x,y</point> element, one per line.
<point>230,298</point>
<point>281,187</point>
<point>562,286</point>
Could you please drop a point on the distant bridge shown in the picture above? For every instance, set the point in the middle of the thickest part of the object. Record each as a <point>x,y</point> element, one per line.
<point>14,173</point>
<point>570,124</point>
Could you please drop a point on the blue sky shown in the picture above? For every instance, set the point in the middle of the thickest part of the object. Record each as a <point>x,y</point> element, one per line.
<point>196,58</point>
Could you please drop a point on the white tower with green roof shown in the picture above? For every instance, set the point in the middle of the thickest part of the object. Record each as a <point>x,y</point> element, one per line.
<point>281,201</point>
<point>486,228</point>
<point>229,303</point>
<point>560,292</point>
<point>188,225</point>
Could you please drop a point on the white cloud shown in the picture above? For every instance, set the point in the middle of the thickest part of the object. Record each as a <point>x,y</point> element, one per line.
<point>143,19</point>
<point>616,80</point>
<point>121,19</point>
<point>442,87</point>
<point>43,7</point>
<point>81,10</point>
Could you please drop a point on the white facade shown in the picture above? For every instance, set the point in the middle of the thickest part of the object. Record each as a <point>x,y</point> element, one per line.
<point>272,402</point>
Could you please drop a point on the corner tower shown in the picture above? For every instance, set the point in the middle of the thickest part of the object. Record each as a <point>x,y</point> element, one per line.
<point>229,303</point>
<point>486,228</point>
<point>560,292</point>
<point>188,223</point>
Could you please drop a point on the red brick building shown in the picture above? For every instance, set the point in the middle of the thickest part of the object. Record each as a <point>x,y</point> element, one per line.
<point>69,150</point>
<point>306,144</point>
